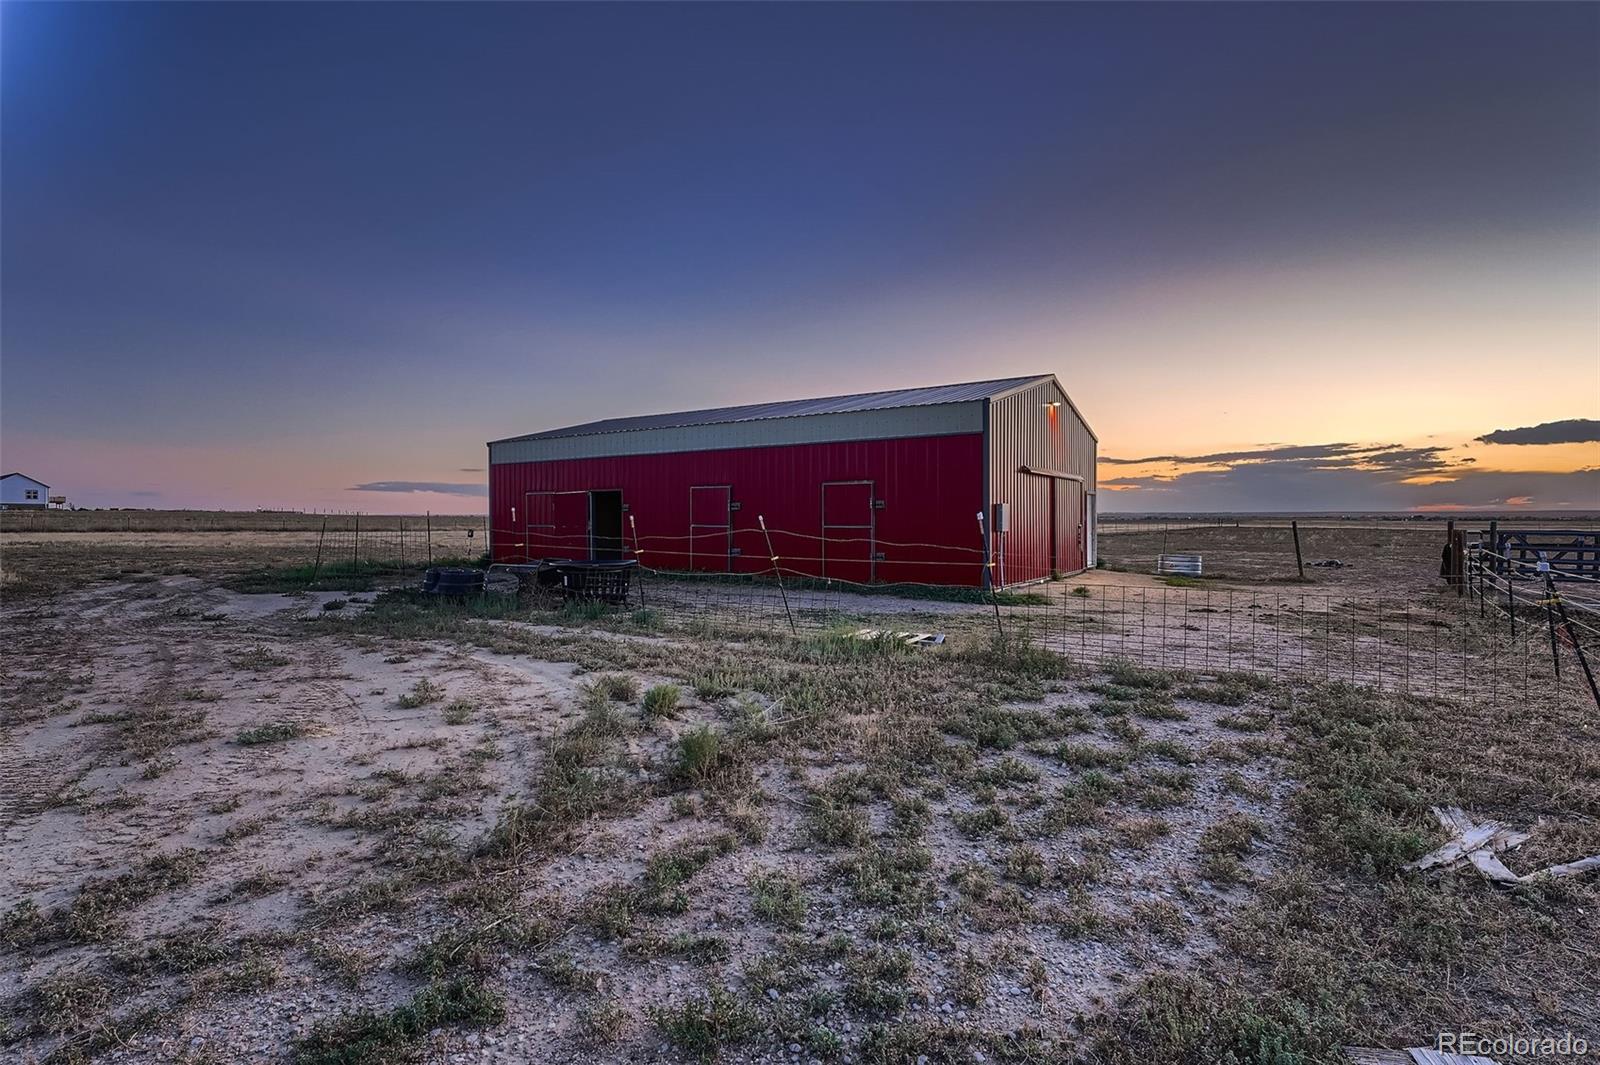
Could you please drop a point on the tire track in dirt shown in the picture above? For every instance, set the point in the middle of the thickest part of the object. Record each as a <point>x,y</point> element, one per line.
<point>28,787</point>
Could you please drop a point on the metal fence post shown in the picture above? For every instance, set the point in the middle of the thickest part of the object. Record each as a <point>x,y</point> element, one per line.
<point>776,572</point>
<point>1550,616</point>
<point>317,566</point>
<point>988,573</point>
<point>638,555</point>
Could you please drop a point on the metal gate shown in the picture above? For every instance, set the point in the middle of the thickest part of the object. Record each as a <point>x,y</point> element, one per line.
<point>848,527</point>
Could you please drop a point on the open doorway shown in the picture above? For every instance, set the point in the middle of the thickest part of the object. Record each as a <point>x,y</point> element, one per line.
<point>605,525</point>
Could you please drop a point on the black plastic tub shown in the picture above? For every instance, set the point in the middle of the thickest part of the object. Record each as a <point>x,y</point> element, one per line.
<point>452,580</point>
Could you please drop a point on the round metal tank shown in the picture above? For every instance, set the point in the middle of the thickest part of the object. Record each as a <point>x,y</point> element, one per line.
<point>1187,565</point>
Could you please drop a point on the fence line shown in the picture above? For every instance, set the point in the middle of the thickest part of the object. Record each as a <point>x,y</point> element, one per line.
<point>1401,644</point>
<point>1488,644</point>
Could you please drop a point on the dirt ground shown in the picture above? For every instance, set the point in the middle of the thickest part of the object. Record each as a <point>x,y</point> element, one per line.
<point>366,827</point>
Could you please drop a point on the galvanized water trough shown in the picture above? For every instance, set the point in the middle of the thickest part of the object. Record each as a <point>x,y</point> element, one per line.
<point>1187,565</point>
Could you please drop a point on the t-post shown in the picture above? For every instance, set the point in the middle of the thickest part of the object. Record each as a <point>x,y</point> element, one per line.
<point>988,576</point>
<point>776,572</point>
<point>638,555</point>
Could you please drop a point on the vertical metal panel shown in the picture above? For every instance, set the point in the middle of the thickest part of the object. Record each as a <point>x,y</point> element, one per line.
<point>1026,430</point>
<point>930,488</point>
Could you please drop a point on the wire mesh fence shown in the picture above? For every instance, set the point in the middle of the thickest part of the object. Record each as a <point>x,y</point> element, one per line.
<point>1421,647</point>
<point>346,542</point>
<point>1490,644</point>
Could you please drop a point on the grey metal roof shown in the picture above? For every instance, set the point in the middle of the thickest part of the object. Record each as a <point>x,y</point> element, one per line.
<point>793,408</point>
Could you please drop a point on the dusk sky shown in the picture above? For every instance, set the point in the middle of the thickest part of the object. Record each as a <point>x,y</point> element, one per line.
<point>1284,257</point>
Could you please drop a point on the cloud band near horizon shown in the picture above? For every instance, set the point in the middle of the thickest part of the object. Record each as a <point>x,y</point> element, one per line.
<point>1567,431</point>
<point>440,487</point>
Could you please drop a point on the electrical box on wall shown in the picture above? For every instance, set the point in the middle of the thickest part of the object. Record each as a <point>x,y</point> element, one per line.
<point>1002,517</point>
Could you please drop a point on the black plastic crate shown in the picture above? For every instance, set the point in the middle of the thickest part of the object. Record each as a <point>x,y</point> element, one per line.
<point>606,581</point>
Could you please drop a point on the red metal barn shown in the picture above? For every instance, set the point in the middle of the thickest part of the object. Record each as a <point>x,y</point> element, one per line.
<point>878,487</point>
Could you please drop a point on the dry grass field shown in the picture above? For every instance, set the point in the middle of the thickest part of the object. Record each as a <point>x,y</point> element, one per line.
<point>335,826</point>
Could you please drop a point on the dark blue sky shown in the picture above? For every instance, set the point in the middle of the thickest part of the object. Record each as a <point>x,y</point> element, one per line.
<point>359,240</point>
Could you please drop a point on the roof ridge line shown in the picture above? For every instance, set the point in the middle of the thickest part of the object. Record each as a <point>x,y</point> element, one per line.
<point>670,419</point>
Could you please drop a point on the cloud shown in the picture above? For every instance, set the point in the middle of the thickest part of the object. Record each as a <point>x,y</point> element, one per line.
<point>469,469</point>
<point>1373,458</point>
<point>1290,486</point>
<point>1275,451</point>
<point>1570,431</point>
<point>442,487</point>
<point>1338,477</point>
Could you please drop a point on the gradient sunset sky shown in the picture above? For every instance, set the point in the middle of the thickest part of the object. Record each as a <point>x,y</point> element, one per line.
<point>1284,257</point>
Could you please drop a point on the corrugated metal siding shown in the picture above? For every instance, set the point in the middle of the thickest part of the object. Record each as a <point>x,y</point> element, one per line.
<point>931,395</point>
<point>1025,431</point>
<point>930,420</point>
<point>931,488</point>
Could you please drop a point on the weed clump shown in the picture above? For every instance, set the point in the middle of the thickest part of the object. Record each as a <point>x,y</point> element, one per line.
<point>422,693</point>
<point>699,754</point>
<point>259,659</point>
<point>703,1027</point>
<point>778,899</point>
<point>662,700</point>
<point>271,732</point>
<point>368,1038</point>
<point>1223,846</point>
<point>618,687</point>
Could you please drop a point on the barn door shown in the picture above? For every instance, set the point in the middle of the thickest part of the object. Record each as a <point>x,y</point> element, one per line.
<point>710,528</point>
<point>1067,534</point>
<point>847,531</point>
<point>539,517</point>
<point>557,524</point>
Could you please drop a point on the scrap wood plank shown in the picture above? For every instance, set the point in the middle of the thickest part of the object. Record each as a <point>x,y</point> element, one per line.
<point>1375,1056</point>
<point>1568,868</point>
<point>1491,867</point>
<point>1458,848</point>
<point>1412,1056</point>
<point>1426,1056</point>
<point>931,638</point>
<point>1477,843</point>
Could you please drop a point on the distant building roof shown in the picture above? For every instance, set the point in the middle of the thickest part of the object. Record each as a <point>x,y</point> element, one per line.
<point>25,477</point>
<point>794,408</point>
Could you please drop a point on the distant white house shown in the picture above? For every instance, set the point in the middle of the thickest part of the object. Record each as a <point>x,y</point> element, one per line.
<point>20,490</point>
